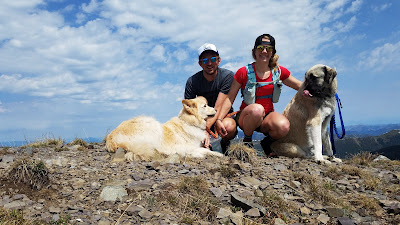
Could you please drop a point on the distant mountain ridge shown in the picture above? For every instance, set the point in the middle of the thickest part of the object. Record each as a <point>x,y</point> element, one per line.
<point>370,130</point>
<point>382,144</point>
<point>358,138</point>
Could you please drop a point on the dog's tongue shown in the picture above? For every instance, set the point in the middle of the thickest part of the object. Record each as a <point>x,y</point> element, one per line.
<point>307,93</point>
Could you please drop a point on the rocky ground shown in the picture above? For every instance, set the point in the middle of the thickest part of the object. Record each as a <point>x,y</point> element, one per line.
<point>87,185</point>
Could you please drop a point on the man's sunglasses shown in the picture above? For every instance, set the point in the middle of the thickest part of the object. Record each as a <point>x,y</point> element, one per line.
<point>213,59</point>
<point>261,48</point>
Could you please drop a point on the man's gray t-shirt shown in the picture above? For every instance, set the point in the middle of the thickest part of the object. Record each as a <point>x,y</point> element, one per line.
<point>197,85</point>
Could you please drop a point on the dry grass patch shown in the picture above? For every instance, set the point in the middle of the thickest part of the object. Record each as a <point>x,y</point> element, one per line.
<point>276,206</point>
<point>362,158</point>
<point>17,217</point>
<point>31,172</point>
<point>318,189</point>
<point>46,142</point>
<point>241,152</point>
<point>365,202</point>
<point>79,141</point>
<point>197,203</point>
<point>227,171</point>
<point>369,181</point>
<point>190,199</point>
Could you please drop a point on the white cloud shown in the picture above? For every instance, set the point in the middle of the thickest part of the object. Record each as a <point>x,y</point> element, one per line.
<point>380,8</point>
<point>355,6</point>
<point>1,108</point>
<point>386,56</point>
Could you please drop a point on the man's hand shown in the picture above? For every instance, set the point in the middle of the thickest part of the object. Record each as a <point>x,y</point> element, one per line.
<point>206,142</point>
<point>220,128</point>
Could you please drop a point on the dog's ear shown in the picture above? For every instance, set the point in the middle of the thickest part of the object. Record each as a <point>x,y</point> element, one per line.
<point>189,105</point>
<point>330,74</point>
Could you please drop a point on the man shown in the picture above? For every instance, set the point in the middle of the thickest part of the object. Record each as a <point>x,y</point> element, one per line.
<point>213,83</point>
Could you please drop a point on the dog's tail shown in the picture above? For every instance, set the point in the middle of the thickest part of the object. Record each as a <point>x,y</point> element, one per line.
<point>288,149</point>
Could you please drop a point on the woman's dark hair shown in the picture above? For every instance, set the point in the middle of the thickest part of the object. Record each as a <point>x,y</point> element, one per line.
<point>259,42</point>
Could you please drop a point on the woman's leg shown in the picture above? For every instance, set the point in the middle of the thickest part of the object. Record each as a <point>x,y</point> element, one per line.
<point>250,118</point>
<point>275,125</point>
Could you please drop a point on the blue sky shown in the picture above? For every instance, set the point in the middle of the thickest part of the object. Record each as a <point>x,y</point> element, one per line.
<point>79,68</point>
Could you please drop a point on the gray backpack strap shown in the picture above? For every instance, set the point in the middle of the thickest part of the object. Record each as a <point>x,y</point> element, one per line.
<point>249,91</point>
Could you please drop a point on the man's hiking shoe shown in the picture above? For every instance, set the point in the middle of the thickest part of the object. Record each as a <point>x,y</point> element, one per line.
<point>266,146</point>
<point>224,145</point>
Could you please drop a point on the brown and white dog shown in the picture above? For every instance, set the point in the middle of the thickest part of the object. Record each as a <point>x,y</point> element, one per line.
<point>145,138</point>
<point>309,113</point>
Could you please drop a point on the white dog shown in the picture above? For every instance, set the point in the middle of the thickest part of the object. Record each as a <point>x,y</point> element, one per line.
<point>309,113</point>
<point>145,138</point>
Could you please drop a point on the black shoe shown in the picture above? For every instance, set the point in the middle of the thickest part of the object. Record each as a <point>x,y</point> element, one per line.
<point>225,145</point>
<point>266,146</point>
<point>248,144</point>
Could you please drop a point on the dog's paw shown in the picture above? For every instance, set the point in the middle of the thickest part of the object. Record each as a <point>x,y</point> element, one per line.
<point>334,159</point>
<point>130,156</point>
<point>215,154</point>
<point>322,160</point>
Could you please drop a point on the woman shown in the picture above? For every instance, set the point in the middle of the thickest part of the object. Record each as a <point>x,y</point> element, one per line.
<point>258,116</point>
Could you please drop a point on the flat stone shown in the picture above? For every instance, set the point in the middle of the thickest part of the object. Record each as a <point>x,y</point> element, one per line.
<point>254,212</point>
<point>224,213</point>
<point>323,218</point>
<point>216,192</point>
<point>54,210</point>
<point>345,221</point>
<point>335,212</point>
<point>119,155</point>
<point>112,193</point>
<point>15,205</point>
<point>246,204</point>
<point>141,185</point>
<point>279,221</point>
<point>237,218</point>
<point>250,182</point>
<point>280,167</point>
<point>145,214</point>
<point>305,211</point>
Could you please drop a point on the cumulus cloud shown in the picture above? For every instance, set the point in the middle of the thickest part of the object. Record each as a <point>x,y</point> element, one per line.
<point>380,8</point>
<point>387,55</point>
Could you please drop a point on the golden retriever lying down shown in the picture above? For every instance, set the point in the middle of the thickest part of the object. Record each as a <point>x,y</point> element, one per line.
<point>147,139</point>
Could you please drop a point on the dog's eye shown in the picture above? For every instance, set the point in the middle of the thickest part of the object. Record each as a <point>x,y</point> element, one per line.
<point>312,76</point>
<point>205,105</point>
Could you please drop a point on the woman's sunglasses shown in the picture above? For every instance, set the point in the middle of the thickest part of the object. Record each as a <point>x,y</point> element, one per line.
<point>268,48</point>
<point>213,59</point>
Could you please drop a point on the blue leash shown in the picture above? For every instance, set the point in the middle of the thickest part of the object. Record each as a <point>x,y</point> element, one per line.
<point>333,125</point>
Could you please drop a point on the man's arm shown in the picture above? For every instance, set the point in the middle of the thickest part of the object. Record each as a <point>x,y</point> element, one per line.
<point>189,89</point>
<point>218,105</point>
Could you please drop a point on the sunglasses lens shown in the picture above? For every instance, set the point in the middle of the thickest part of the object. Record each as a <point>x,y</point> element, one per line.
<point>213,59</point>
<point>268,48</point>
<point>260,48</point>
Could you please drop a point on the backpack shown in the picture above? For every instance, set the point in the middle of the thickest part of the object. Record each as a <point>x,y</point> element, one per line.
<point>249,91</point>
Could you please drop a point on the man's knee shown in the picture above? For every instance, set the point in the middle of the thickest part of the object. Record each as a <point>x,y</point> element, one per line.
<point>230,126</point>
